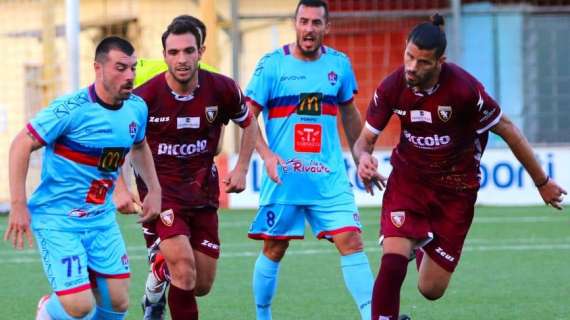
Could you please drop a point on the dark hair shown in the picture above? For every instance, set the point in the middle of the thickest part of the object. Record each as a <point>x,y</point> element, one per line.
<point>186,24</point>
<point>430,35</point>
<point>314,4</point>
<point>112,43</point>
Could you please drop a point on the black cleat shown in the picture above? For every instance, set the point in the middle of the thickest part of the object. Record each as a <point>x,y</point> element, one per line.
<point>404,317</point>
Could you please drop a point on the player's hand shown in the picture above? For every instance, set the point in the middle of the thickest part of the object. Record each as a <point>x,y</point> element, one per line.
<point>368,173</point>
<point>552,194</point>
<point>19,227</point>
<point>126,202</point>
<point>151,207</point>
<point>235,181</point>
<point>271,162</point>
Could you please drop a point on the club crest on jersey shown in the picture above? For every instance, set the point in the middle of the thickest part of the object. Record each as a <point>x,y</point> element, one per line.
<point>167,217</point>
<point>444,113</point>
<point>333,78</point>
<point>133,129</point>
<point>398,218</point>
<point>211,113</point>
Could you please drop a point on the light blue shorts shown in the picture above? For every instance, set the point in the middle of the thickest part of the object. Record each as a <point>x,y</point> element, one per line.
<point>284,221</point>
<point>69,258</point>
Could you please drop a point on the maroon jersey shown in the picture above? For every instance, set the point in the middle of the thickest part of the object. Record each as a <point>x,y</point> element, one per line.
<point>183,133</point>
<point>444,131</point>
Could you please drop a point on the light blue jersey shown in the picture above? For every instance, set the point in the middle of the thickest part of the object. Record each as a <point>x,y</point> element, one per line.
<point>300,101</point>
<point>85,145</point>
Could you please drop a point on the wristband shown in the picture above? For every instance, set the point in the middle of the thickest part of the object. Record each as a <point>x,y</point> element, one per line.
<point>540,185</point>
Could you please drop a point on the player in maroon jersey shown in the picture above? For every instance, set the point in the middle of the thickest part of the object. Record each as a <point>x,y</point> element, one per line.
<point>445,117</point>
<point>188,107</point>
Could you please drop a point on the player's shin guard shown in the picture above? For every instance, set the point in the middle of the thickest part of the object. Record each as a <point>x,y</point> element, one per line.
<point>359,281</point>
<point>55,310</point>
<point>265,276</point>
<point>182,304</point>
<point>106,314</point>
<point>386,295</point>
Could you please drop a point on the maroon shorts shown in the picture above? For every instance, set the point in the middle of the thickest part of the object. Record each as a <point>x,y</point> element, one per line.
<point>417,210</point>
<point>199,224</point>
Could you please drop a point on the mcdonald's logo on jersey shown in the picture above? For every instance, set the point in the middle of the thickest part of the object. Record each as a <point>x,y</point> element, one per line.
<point>310,104</point>
<point>111,159</point>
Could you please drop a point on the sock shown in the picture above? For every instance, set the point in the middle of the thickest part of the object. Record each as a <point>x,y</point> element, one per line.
<point>55,310</point>
<point>265,278</point>
<point>106,314</point>
<point>386,294</point>
<point>182,304</point>
<point>160,269</point>
<point>419,257</point>
<point>359,281</point>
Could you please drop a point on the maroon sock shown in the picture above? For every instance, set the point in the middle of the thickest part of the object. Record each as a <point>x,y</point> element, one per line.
<point>419,257</point>
<point>386,294</point>
<point>182,304</point>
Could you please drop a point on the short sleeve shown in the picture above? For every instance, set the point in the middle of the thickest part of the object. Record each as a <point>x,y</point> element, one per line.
<point>142,118</point>
<point>237,109</point>
<point>379,110</point>
<point>258,89</point>
<point>488,110</point>
<point>348,85</point>
<point>53,121</point>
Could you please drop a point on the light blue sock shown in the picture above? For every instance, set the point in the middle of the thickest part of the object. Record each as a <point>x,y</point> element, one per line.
<point>56,311</point>
<point>265,276</point>
<point>359,281</point>
<point>105,314</point>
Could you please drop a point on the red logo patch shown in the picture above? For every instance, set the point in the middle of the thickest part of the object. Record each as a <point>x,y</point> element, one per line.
<point>308,137</point>
<point>398,218</point>
<point>167,217</point>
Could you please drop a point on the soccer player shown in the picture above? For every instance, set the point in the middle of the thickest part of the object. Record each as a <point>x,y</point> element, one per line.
<point>445,116</point>
<point>188,107</point>
<point>300,88</point>
<point>87,135</point>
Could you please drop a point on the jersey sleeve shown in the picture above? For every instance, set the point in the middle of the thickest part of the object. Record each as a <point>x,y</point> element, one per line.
<point>348,85</point>
<point>238,111</point>
<point>487,110</point>
<point>261,82</point>
<point>143,116</point>
<point>53,121</point>
<point>379,110</point>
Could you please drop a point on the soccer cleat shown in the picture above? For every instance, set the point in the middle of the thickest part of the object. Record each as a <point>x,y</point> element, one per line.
<point>41,313</point>
<point>154,311</point>
<point>404,317</point>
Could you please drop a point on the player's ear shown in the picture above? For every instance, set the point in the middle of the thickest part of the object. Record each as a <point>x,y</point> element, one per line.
<point>442,59</point>
<point>201,51</point>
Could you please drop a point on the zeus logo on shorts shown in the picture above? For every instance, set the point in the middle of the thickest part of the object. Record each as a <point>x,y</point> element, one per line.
<point>429,142</point>
<point>444,254</point>
<point>210,245</point>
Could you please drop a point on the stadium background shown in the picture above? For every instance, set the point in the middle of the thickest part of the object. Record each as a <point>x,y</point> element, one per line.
<point>516,48</point>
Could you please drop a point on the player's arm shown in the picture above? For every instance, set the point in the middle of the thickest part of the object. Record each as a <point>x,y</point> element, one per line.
<point>550,192</point>
<point>270,159</point>
<point>367,163</point>
<point>126,201</point>
<point>141,159</point>
<point>350,117</point>
<point>235,182</point>
<point>19,159</point>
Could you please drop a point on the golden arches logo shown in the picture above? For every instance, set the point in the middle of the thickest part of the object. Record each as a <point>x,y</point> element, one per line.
<point>111,159</point>
<point>310,104</point>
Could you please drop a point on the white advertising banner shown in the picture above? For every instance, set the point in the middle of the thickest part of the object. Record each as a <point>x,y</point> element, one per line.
<point>503,179</point>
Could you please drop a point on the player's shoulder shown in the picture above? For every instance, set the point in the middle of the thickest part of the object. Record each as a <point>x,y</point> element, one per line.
<point>394,82</point>
<point>217,81</point>
<point>156,80</point>
<point>335,54</point>
<point>460,80</point>
<point>72,101</point>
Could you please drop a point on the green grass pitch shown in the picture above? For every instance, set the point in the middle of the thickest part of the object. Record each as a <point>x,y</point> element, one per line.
<point>515,265</point>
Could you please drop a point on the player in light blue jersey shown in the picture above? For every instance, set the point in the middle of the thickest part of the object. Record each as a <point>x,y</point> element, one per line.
<point>86,137</point>
<point>300,88</point>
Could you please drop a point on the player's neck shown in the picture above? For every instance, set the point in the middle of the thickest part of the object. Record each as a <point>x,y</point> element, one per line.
<point>182,88</point>
<point>297,53</point>
<point>105,97</point>
<point>430,84</point>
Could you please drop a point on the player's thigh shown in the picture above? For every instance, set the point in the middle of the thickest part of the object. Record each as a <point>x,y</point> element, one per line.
<point>433,279</point>
<point>179,255</point>
<point>328,221</point>
<point>64,259</point>
<point>206,268</point>
<point>278,221</point>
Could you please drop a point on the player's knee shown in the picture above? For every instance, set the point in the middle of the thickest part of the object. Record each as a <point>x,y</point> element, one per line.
<point>183,271</point>
<point>349,243</point>
<point>120,304</point>
<point>275,250</point>
<point>78,309</point>
<point>202,289</point>
<point>431,290</point>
